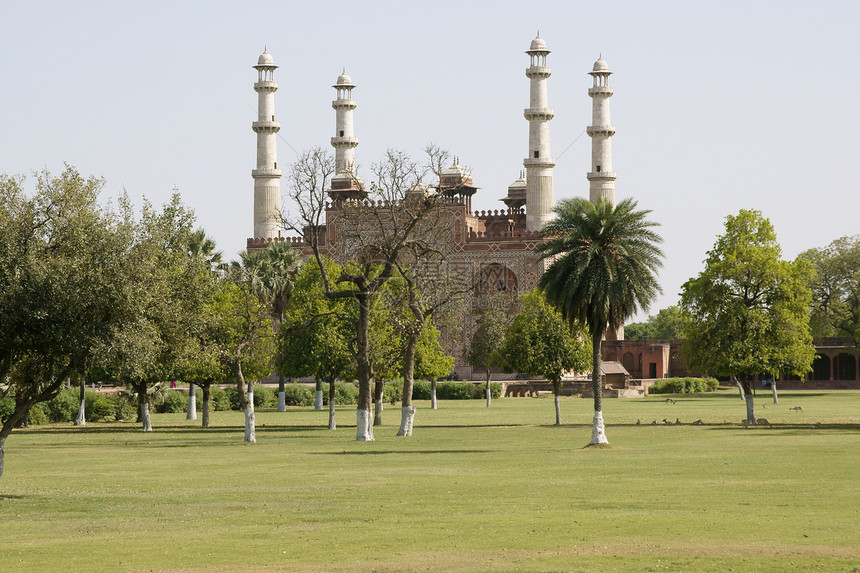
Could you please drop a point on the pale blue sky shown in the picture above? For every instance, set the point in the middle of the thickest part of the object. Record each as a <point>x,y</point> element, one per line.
<point>718,105</point>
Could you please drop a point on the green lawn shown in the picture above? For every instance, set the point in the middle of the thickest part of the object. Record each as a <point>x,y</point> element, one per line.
<point>473,490</point>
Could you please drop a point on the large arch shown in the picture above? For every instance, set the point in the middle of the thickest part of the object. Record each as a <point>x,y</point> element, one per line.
<point>845,367</point>
<point>821,368</point>
<point>495,278</point>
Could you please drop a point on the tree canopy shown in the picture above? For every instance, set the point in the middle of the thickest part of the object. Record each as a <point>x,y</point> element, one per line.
<point>836,288</point>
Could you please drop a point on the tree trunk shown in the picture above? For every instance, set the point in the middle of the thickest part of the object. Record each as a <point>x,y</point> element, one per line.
<point>433,404</point>
<point>598,430</point>
<point>556,390</point>
<point>206,405</point>
<point>740,388</point>
<point>318,395</point>
<point>81,420</point>
<point>364,422</point>
<point>489,394</point>
<point>749,402</point>
<point>332,424</point>
<point>145,419</point>
<point>192,402</point>
<point>246,401</point>
<point>23,421</point>
<point>282,395</point>
<point>378,393</point>
<point>407,410</point>
<point>773,389</point>
<point>2,453</point>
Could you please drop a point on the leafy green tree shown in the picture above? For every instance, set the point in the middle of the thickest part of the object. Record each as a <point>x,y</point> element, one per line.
<point>244,333</point>
<point>63,285</point>
<point>489,338</point>
<point>540,342</point>
<point>604,264</point>
<point>836,289</point>
<point>314,337</point>
<point>749,309</point>
<point>667,324</point>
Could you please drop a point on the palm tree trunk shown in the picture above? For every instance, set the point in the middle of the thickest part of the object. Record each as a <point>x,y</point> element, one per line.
<point>598,430</point>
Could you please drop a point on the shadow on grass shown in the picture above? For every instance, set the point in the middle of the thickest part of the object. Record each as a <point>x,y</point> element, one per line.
<point>397,452</point>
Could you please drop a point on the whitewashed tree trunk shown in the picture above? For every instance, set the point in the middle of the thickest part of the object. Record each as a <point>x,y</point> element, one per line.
<point>250,427</point>
<point>81,420</point>
<point>773,389</point>
<point>598,430</point>
<point>557,411</point>
<point>318,399</point>
<point>282,401</point>
<point>363,426</point>
<point>489,398</point>
<point>407,417</point>
<point>433,405</point>
<point>192,403</point>
<point>740,389</point>
<point>750,409</point>
<point>332,423</point>
<point>145,419</point>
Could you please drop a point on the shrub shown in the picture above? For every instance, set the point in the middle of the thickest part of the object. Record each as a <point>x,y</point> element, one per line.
<point>393,391</point>
<point>299,395</point>
<point>218,399</point>
<point>99,407</point>
<point>421,390</point>
<point>7,406</point>
<point>174,402</point>
<point>264,397</point>
<point>64,406</point>
<point>124,409</point>
<point>232,396</point>
<point>36,415</point>
<point>684,386</point>
<point>479,391</point>
<point>454,390</point>
<point>344,393</point>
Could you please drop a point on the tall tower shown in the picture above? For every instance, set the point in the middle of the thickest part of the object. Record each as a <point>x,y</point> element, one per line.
<point>601,178</point>
<point>345,183</point>
<point>539,163</point>
<point>267,176</point>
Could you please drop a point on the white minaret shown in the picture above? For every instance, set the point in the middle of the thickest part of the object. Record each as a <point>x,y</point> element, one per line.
<point>539,163</point>
<point>267,176</point>
<point>601,178</point>
<point>344,140</point>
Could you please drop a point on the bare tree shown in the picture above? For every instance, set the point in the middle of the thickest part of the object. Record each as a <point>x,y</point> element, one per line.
<point>369,232</point>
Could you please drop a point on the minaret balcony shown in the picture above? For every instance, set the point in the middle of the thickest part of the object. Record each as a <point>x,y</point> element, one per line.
<point>266,126</point>
<point>539,113</point>
<point>266,86</point>
<point>593,130</point>
<point>601,91</point>
<point>345,141</point>
<point>538,162</point>
<point>601,176</point>
<point>538,72</point>
<point>265,172</point>
<point>344,104</point>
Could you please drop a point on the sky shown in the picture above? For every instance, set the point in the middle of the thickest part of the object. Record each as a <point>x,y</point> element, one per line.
<point>718,106</point>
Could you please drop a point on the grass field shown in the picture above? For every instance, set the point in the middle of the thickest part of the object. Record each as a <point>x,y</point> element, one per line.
<point>473,490</point>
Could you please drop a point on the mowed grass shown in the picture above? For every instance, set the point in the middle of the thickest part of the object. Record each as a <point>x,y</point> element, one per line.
<point>474,489</point>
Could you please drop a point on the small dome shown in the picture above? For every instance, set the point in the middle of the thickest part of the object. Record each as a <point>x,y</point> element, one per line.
<point>537,44</point>
<point>455,171</point>
<point>418,189</point>
<point>265,59</point>
<point>344,80</point>
<point>600,65</point>
<point>519,183</point>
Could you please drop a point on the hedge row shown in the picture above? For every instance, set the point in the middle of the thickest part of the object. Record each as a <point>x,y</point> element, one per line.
<point>684,386</point>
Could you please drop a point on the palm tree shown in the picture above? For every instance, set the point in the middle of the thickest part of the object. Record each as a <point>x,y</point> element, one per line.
<point>203,246</point>
<point>604,260</point>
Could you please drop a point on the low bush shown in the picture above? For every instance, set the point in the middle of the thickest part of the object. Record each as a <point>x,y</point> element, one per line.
<point>264,397</point>
<point>421,390</point>
<point>454,390</point>
<point>124,408</point>
<point>218,398</point>
<point>36,416</point>
<point>479,391</point>
<point>99,407</point>
<point>684,386</point>
<point>393,391</point>
<point>299,395</point>
<point>64,406</point>
<point>344,393</point>
<point>174,402</point>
